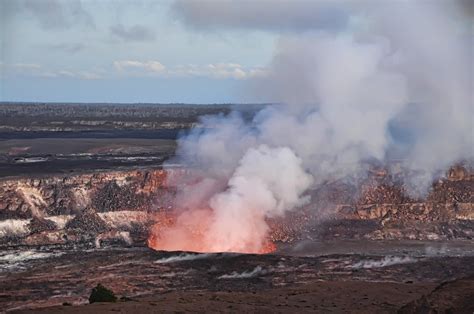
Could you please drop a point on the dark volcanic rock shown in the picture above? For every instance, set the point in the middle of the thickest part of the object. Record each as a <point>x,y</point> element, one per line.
<point>89,221</point>
<point>449,297</point>
<point>102,294</point>
<point>346,228</point>
<point>39,224</point>
<point>112,197</point>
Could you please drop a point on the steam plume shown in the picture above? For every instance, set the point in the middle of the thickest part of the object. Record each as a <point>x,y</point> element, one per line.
<point>394,82</point>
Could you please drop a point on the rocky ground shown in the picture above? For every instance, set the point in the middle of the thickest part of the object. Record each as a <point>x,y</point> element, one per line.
<point>42,157</point>
<point>320,297</point>
<point>148,281</point>
<point>56,117</point>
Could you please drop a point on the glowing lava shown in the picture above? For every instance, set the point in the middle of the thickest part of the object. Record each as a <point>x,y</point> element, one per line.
<point>191,231</point>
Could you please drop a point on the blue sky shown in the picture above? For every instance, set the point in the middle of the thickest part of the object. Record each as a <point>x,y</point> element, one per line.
<point>124,51</point>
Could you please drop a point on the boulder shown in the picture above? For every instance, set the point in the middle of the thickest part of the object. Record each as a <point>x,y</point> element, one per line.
<point>102,294</point>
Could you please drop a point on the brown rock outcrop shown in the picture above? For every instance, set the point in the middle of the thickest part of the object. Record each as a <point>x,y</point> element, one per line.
<point>65,195</point>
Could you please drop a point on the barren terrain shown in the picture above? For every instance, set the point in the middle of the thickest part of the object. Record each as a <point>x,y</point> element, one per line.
<point>77,202</point>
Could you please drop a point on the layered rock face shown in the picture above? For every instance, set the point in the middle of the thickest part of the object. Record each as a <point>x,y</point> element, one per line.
<point>65,195</point>
<point>120,206</point>
<point>379,208</point>
<point>446,212</point>
<point>87,207</point>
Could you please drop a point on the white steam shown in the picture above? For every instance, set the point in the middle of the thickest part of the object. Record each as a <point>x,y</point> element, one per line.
<point>255,191</point>
<point>394,82</point>
<point>257,271</point>
<point>182,258</point>
<point>384,262</point>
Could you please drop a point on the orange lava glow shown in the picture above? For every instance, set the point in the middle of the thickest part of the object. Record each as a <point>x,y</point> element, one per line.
<point>188,232</point>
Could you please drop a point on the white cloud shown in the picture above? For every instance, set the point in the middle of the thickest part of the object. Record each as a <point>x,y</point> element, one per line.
<point>26,66</point>
<point>225,70</point>
<point>89,75</point>
<point>135,68</point>
<point>86,75</point>
<point>213,70</point>
<point>37,70</point>
<point>147,66</point>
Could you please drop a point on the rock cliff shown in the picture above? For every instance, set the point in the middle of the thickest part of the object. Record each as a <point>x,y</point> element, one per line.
<point>120,206</point>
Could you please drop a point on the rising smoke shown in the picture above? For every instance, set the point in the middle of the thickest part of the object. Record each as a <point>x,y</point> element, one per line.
<point>388,79</point>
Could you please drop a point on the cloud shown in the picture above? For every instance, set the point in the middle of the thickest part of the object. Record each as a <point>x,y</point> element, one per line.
<point>37,70</point>
<point>135,68</point>
<point>133,33</point>
<point>467,7</point>
<point>85,75</point>
<point>218,71</point>
<point>70,48</point>
<point>214,70</point>
<point>149,67</point>
<point>280,15</point>
<point>51,14</point>
<point>25,66</point>
<point>7,69</point>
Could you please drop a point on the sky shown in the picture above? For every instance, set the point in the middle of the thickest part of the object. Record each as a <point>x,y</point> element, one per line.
<point>125,51</point>
<point>198,51</point>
